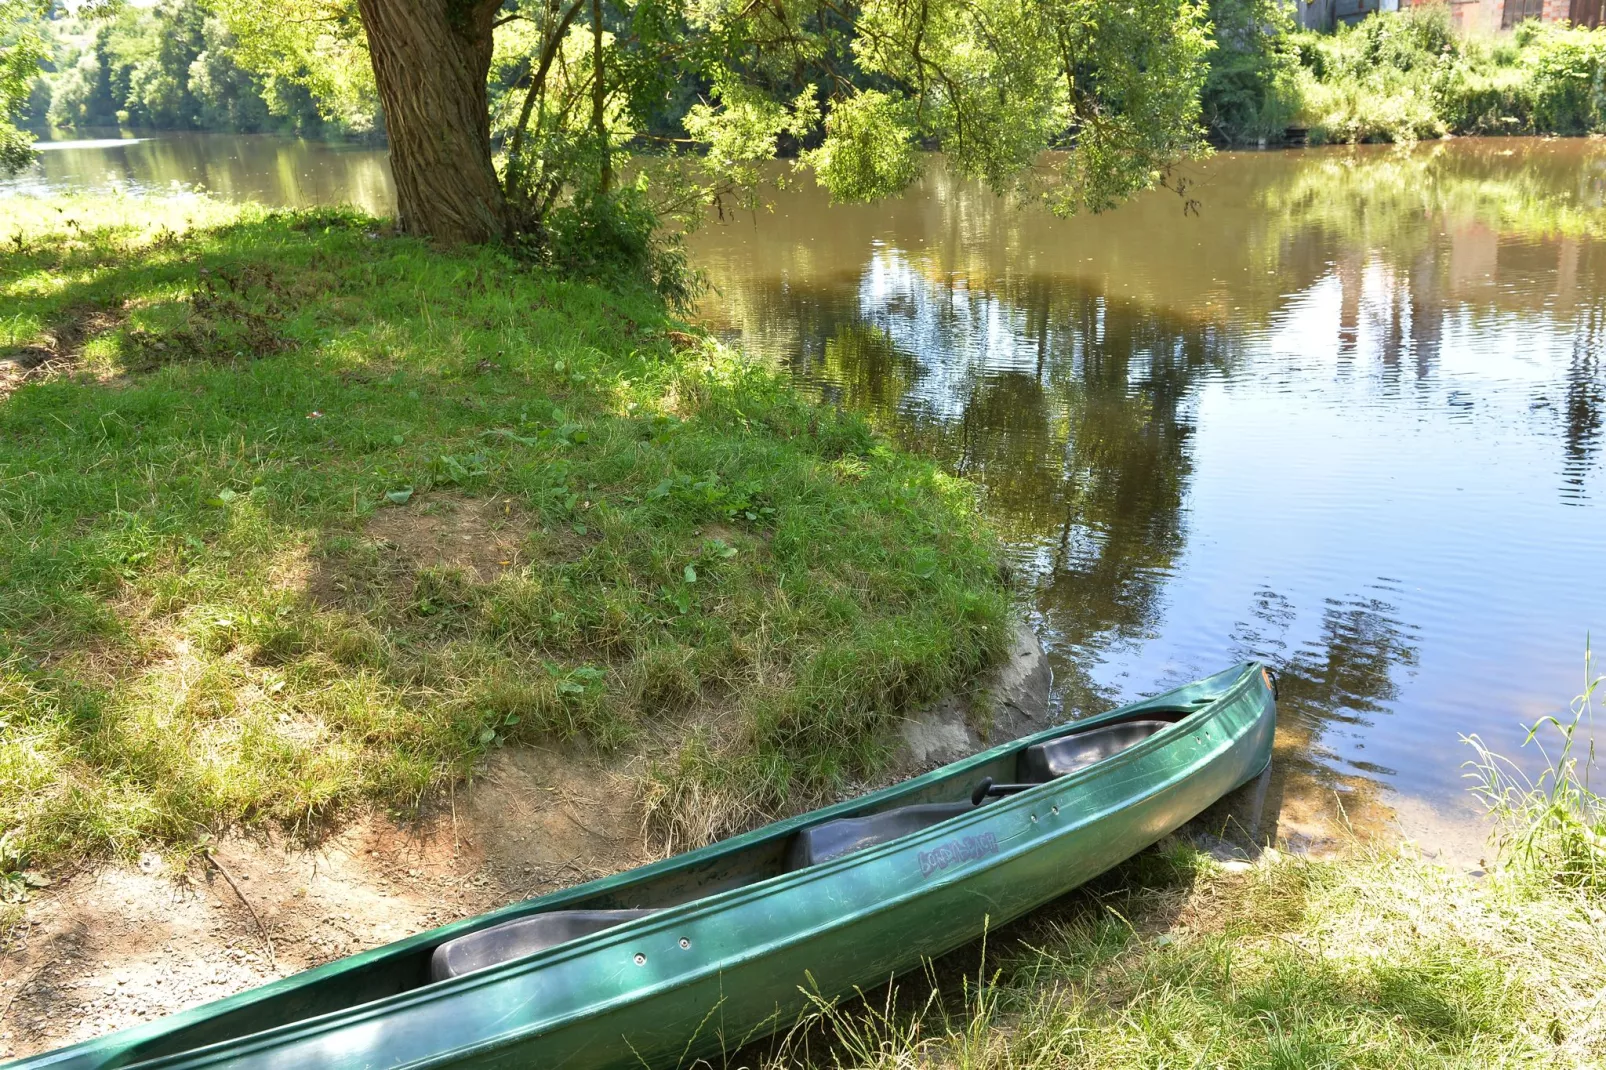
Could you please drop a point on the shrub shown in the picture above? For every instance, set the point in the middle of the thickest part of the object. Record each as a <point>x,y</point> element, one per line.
<point>1250,92</point>
<point>615,238</point>
<point>1406,76</point>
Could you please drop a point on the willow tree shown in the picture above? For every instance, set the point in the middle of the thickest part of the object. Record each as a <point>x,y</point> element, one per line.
<point>855,87</point>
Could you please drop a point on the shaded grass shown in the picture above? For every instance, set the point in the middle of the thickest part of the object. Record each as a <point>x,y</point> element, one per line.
<point>1375,960</point>
<point>213,606</point>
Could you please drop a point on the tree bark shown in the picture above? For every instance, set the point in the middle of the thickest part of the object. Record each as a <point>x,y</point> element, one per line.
<point>599,97</point>
<point>431,59</point>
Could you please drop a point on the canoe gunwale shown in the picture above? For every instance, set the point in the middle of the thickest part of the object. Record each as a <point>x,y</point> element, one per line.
<point>1241,678</point>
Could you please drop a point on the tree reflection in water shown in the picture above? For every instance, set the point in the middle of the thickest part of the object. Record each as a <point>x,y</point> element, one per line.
<point>1433,298</point>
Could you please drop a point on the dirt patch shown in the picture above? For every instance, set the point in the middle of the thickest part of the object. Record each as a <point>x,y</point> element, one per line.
<point>484,536</point>
<point>481,537</point>
<point>548,818</point>
<point>57,351</point>
<point>114,946</point>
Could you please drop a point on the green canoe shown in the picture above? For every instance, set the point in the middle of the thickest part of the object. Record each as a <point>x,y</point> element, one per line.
<point>709,949</point>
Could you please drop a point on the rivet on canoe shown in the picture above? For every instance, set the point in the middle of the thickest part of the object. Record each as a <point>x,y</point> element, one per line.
<point>1055,809</point>
<point>684,943</point>
<point>1034,819</point>
<point>641,960</point>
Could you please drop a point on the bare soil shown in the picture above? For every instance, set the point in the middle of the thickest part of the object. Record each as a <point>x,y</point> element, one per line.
<point>117,945</point>
<point>57,350</point>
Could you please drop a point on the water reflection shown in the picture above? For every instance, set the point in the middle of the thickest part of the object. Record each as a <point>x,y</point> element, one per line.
<point>279,171</point>
<point>1348,419</point>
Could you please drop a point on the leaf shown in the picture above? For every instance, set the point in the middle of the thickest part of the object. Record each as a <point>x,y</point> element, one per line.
<point>397,440</point>
<point>502,432</point>
<point>400,497</point>
<point>487,734</point>
<point>580,529</point>
<point>225,496</point>
<point>691,574</point>
<point>512,719</point>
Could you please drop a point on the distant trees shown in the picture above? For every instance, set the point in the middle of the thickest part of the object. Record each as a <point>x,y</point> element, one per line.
<point>174,67</point>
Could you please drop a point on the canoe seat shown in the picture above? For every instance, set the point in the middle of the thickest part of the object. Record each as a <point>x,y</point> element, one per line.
<point>522,936</point>
<point>832,839</point>
<point>1057,757</point>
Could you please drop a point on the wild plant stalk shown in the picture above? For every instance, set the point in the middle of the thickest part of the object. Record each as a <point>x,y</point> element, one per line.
<point>1553,826</point>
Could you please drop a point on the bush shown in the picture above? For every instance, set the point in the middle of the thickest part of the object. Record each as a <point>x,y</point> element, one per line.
<point>1565,67</point>
<point>1250,92</point>
<point>1406,76</point>
<point>615,238</point>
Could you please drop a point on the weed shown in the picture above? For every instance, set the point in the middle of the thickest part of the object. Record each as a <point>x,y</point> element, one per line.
<point>1552,827</point>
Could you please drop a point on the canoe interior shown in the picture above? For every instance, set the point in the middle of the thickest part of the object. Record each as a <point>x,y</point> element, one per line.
<point>747,860</point>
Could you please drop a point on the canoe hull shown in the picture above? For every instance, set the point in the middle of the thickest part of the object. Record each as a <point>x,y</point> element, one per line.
<point>716,972</point>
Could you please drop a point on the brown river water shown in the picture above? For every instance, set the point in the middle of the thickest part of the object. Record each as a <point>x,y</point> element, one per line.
<point>1347,415</point>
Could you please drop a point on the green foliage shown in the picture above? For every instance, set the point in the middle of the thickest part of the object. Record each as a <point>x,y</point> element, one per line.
<point>1552,828</point>
<point>615,238</point>
<point>1249,93</point>
<point>869,147</point>
<point>1406,76</point>
<point>22,48</point>
<point>313,50</point>
<point>176,67</point>
<point>854,88</point>
<point>315,517</point>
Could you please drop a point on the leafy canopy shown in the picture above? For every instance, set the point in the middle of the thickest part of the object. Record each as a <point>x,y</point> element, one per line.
<point>851,87</point>
<point>23,47</point>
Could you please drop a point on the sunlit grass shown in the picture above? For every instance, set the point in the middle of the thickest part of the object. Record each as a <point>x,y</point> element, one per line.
<point>297,515</point>
<point>1379,959</point>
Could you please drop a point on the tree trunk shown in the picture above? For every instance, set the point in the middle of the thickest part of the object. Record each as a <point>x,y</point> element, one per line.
<point>431,58</point>
<point>599,97</point>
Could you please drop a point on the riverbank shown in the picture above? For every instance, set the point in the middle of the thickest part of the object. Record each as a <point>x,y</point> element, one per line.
<point>1398,76</point>
<point>304,518</point>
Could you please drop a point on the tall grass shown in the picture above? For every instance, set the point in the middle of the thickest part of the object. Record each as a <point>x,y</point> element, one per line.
<point>1379,959</point>
<point>1552,826</point>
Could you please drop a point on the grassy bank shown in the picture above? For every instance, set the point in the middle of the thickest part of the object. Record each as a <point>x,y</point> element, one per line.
<point>1401,76</point>
<point>297,515</point>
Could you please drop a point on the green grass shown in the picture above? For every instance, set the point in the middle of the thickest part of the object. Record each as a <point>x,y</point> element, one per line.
<point>1553,827</point>
<point>302,516</point>
<point>1378,959</point>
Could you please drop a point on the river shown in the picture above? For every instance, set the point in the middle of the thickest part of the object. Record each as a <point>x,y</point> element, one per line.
<point>1343,411</point>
